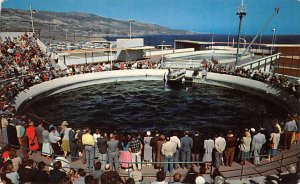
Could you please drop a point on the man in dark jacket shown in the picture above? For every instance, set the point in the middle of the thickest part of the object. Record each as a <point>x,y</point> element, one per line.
<point>56,175</point>
<point>102,146</point>
<point>26,172</point>
<point>231,142</point>
<point>73,145</point>
<point>186,148</point>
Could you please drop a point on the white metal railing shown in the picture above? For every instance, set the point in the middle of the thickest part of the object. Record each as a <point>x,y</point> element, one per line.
<point>263,64</point>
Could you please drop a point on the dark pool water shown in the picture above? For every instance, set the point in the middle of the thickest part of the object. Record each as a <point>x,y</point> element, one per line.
<point>141,105</point>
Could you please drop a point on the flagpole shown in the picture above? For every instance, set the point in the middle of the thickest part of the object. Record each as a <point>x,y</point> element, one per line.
<point>31,19</point>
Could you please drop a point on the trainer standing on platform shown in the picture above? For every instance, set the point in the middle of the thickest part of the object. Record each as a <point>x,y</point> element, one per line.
<point>88,142</point>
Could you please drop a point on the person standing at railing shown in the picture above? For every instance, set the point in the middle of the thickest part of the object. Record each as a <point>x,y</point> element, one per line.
<point>209,145</point>
<point>289,128</point>
<point>53,139</point>
<point>257,142</point>
<point>245,146</point>
<point>4,124</point>
<point>113,152</point>
<point>168,149</point>
<point>39,134</point>
<point>125,155</point>
<point>231,142</point>
<point>12,133</point>
<point>46,148</point>
<point>186,149</point>
<point>135,147</point>
<point>197,145</point>
<point>153,145</point>
<point>65,140</point>
<point>88,142</point>
<point>147,148</point>
<point>73,145</point>
<point>220,145</point>
<point>275,138</point>
<point>159,156</point>
<point>176,141</point>
<point>23,139</point>
<point>102,146</point>
<point>32,139</point>
<point>96,135</point>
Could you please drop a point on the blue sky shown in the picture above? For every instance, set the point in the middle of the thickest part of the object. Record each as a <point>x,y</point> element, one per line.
<point>218,16</point>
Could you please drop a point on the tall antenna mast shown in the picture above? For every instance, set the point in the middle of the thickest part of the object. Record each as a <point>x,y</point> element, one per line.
<point>241,13</point>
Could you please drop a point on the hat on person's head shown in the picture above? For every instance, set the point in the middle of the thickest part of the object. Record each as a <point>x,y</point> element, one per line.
<point>64,123</point>
<point>252,129</point>
<point>136,175</point>
<point>148,133</point>
<point>200,180</point>
<point>219,180</point>
<point>292,169</point>
<point>107,167</point>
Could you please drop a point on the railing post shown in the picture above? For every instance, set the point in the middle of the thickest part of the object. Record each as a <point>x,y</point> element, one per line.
<point>85,58</point>
<point>211,169</point>
<point>128,169</point>
<point>281,162</point>
<point>241,177</point>
<point>89,160</point>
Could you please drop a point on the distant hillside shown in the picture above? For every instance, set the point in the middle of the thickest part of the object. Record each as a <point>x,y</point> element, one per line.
<point>75,25</point>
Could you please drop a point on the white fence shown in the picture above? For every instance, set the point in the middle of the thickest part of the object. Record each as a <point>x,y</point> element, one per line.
<point>263,64</point>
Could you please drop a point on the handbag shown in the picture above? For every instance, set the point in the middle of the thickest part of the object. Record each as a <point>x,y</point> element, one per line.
<point>32,143</point>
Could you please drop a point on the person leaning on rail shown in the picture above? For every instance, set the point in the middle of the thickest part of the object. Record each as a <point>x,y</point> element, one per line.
<point>88,142</point>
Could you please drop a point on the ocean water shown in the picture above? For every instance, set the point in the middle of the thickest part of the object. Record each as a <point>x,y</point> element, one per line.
<point>154,40</point>
<point>148,105</point>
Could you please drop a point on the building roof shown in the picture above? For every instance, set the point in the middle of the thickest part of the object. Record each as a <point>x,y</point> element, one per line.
<point>139,48</point>
<point>283,45</point>
<point>164,45</point>
<point>195,42</point>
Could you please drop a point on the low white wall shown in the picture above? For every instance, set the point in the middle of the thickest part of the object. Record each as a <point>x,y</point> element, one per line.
<point>127,43</point>
<point>84,79</point>
<point>168,52</point>
<point>77,61</point>
<point>71,82</point>
<point>10,34</point>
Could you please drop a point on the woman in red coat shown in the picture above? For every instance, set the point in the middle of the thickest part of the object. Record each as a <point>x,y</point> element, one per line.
<point>32,140</point>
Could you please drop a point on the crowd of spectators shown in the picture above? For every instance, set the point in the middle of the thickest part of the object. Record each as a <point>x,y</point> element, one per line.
<point>106,66</point>
<point>22,65</point>
<point>104,153</point>
<point>278,81</point>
